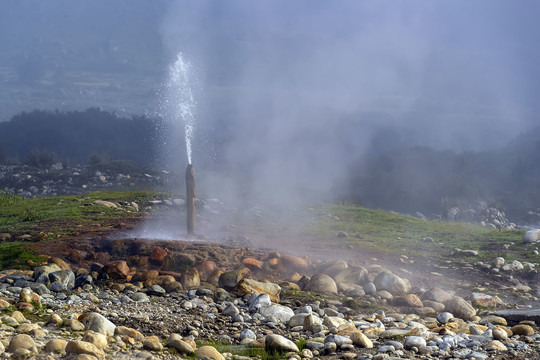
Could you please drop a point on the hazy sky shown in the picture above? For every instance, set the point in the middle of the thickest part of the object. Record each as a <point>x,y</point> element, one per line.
<point>296,87</point>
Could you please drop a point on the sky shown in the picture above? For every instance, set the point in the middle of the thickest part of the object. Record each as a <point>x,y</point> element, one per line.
<point>296,89</point>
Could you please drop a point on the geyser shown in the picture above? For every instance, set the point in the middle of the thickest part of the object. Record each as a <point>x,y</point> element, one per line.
<point>180,99</point>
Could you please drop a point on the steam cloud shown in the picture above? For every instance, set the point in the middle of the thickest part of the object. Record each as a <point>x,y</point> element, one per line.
<point>301,89</point>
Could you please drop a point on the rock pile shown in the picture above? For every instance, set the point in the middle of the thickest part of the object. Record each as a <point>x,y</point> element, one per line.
<point>120,310</point>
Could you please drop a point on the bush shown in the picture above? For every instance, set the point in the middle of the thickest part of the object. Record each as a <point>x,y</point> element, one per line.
<point>40,159</point>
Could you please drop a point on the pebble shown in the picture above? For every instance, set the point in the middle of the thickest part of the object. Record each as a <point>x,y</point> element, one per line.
<point>121,321</point>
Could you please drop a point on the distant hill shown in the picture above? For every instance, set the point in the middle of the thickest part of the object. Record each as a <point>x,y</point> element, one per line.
<point>77,135</point>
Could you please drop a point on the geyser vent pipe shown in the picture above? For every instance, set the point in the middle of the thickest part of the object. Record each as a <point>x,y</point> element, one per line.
<point>190,199</point>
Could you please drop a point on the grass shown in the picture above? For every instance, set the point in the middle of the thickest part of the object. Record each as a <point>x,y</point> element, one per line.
<point>375,230</point>
<point>59,214</point>
<point>398,234</point>
<point>16,256</point>
<point>58,217</point>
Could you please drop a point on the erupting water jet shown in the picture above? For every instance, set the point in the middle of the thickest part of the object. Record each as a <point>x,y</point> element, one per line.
<point>190,199</point>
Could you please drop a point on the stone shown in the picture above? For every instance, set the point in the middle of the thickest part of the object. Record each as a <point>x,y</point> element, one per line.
<point>252,264</point>
<point>250,286</point>
<point>438,295</point>
<point>437,306</point>
<point>498,262</point>
<point>116,269</point>
<point>414,341</point>
<point>410,300</point>
<point>229,279</point>
<point>98,323</point>
<point>279,343</point>
<point>18,316</point>
<point>513,266</point>
<point>531,236</point>
<point>209,352</point>
<point>248,334</point>
<point>500,334</point>
<point>152,343</point>
<point>190,278</point>
<point>485,300</point>
<point>175,341</point>
<point>321,283</point>
<point>461,308</point>
<point>496,345</point>
<point>280,312</point>
<point>256,301</point>
<point>74,325</point>
<point>370,288</point>
<point>28,296</point>
<point>22,341</point>
<point>56,346</point>
<point>41,273</point>
<point>293,264</point>
<point>156,290</point>
<point>27,328</point>
<point>105,203</point>
<point>360,339</point>
<point>205,268</point>
<point>352,275</point>
<point>97,339</point>
<point>66,277</point>
<point>158,255</point>
<point>310,322</point>
<point>175,261</point>
<point>522,329</point>
<point>333,321</point>
<point>392,283</point>
<point>126,331</point>
<point>335,268</point>
<point>518,315</point>
<point>444,317</point>
<point>79,347</point>
<point>493,319</point>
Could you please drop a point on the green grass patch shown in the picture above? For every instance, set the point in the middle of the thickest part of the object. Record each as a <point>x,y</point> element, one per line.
<point>399,234</point>
<point>60,213</point>
<point>15,255</point>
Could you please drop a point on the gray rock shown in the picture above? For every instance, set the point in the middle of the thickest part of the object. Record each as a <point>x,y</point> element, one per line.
<point>513,266</point>
<point>321,283</point>
<point>98,323</point>
<point>140,297</point>
<point>66,277</point>
<point>230,310</point>
<point>370,288</point>
<point>444,317</point>
<point>531,236</point>
<point>279,312</point>
<point>414,341</point>
<point>517,315</point>
<point>460,308</point>
<point>279,343</point>
<point>256,301</point>
<point>392,283</point>
<point>247,334</point>
<point>156,290</point>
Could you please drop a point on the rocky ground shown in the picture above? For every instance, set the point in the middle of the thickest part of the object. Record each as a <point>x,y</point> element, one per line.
<point>237,295</point>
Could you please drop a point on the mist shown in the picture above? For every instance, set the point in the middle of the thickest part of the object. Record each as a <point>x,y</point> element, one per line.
<point>289,94</point>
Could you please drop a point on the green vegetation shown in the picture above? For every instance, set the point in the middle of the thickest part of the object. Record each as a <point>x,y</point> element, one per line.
<point>40,219</point>
<point>64,214</point>
<point>16,255</point>
<point>371,230</point>
<point>398,234</point>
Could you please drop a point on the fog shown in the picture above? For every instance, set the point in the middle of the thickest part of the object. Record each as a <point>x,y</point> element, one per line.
<point>289,93</point>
